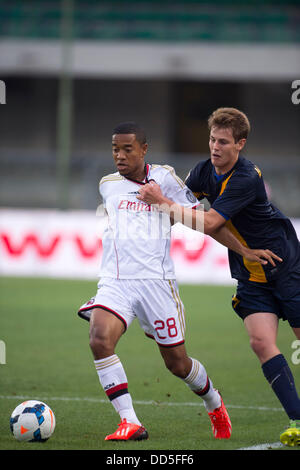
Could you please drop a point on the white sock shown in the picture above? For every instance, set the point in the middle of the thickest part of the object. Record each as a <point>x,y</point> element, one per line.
<point>114,382</point>
<point>199,382</point>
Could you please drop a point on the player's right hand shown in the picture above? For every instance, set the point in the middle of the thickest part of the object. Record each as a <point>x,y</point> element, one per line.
<point>262,256</point>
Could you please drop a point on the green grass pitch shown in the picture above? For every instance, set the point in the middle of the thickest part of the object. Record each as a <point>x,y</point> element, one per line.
<point>48,358</point>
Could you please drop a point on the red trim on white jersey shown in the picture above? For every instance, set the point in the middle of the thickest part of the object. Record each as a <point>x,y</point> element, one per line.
<point>147,170</point>
<point>91,307</point>
<point>165,345</point>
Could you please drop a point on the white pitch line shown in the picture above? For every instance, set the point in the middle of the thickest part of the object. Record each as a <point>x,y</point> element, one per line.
<point>266,446</point>
<point>137,402</point>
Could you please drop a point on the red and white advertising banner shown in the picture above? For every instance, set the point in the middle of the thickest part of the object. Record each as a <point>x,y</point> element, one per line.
<point>58,244</point>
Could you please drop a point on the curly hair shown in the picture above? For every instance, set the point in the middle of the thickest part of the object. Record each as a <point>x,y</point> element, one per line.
<point>131,127</point>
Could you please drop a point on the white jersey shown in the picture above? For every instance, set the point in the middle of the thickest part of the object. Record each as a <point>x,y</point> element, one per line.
<point>136,242</point>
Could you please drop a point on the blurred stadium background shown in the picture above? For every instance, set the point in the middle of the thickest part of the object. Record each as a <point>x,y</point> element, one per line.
<point>73,69</point>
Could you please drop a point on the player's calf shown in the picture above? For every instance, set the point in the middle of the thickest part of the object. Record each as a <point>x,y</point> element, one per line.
<point>176,360</point>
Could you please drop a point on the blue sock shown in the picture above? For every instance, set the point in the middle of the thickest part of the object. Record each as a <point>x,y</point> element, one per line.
<point>280,377</point>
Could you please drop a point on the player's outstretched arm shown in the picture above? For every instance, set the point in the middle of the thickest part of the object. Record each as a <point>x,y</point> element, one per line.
<point>211,223</point>
<point>226,238</point>
<point>207,222</point>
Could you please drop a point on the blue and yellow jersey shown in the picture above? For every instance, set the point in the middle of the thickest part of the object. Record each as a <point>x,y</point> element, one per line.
<point>240,197</point>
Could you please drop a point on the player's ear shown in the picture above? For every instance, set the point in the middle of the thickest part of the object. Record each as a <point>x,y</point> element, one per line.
<point>144,148</point>
<point>241,144</point>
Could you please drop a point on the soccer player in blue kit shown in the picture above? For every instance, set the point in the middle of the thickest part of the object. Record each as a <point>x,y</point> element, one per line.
<point>236,192</point>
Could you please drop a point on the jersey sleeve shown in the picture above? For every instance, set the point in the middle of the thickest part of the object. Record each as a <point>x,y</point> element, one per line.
<point>102,192</point>
<point>175,189</point>
<point>194,181</point>
<point>238,192</point>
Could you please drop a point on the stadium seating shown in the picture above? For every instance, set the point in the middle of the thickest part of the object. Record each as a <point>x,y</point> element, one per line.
<point>247,21</point>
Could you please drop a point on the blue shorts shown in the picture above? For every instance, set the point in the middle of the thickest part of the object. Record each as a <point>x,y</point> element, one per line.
<point>281,297</point>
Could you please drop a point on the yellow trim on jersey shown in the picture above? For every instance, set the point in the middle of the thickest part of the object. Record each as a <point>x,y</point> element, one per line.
<point>224,184</point>
<point>172,171</point>
<point>187,175</point>
<point>255,269</point>
<point>235,301</point>
<point>258,170</point>
<point>111,177</point>
<point>179,308</point>
<point>201,194</point>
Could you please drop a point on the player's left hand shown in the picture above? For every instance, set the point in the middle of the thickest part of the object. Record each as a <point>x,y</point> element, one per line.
<point>262,256</point>
<point>151,193</point>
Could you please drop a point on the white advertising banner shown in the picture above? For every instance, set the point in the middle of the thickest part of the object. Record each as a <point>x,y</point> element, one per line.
<point>51,243</point>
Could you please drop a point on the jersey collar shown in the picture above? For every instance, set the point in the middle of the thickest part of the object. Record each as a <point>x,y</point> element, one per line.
<point>220,178</point>
<point>147,171</point>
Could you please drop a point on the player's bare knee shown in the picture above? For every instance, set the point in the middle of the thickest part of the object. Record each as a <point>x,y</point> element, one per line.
<point>100,344</point>
<point>258,345</point>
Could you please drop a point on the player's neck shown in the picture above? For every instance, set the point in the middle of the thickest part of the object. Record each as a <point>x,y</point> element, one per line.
<point>138,175</point>
<point>222,170</point>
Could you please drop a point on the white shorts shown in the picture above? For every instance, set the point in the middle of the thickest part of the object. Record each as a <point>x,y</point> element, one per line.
<point>156,304</point>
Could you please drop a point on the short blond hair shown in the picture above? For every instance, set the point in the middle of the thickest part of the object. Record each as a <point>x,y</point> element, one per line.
<point>230,118</point>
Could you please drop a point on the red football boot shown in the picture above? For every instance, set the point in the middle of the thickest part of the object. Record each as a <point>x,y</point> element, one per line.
<point>128,432</point>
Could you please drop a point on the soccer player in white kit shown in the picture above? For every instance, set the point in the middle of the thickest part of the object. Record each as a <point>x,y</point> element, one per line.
<point>137,280</point>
